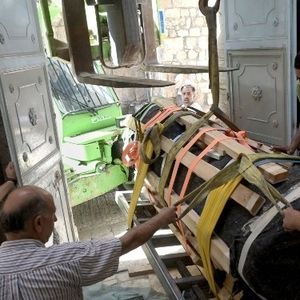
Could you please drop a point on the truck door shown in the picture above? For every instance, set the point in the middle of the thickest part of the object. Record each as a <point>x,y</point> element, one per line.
<point>26,107</point>
<point>260,40</point>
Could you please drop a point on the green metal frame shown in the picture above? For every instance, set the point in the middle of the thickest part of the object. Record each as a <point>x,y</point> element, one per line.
<point>87,187</point>
<point>87,117</point>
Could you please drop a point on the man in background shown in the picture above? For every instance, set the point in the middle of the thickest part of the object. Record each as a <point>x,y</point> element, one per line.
<point>188,97</point>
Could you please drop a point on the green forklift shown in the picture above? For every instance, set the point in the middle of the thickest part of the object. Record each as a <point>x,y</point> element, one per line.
<point>89,119</point>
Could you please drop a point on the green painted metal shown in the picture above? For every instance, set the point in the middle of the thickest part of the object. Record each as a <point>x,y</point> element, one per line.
<point>86,121</point>
<point>83,149</point>
<point>48,25</point>
<point>87,187</point>
<point>87,117</point>
<point>48,12</point>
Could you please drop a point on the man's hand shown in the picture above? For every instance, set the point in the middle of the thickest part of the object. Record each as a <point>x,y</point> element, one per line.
<point>291,219</point>
<point>10,171</point>
<point>167,215</point>
<point>140,234</point>
<point>284,149</point>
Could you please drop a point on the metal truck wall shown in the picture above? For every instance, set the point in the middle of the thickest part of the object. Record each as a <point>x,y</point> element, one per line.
<point>26,107</point>
<point>260,40</point>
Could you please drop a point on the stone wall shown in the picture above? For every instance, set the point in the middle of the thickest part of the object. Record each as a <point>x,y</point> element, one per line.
<point>186,42</point>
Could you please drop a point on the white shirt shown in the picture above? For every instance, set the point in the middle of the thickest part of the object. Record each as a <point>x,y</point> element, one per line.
<point>29,270</point>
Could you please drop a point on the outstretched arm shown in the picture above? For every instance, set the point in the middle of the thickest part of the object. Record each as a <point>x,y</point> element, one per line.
<point>291,148</point>
<point>295,143</point>
<point>140,234</point>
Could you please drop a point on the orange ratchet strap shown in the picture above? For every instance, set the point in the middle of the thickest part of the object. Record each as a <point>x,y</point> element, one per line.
<point>182,153</point>
<point>130,155</point>
<point>196,161</point>
<point>161,115</point>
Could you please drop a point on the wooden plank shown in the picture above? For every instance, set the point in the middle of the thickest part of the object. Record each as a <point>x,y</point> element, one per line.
<point>139,270</point>
<point>274,173</point>
<point>219,251</point>
<point>242,195</point>
<point>192,253</point>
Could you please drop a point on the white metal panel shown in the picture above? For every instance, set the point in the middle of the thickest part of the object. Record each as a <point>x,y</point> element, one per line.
<point>26,107</point>
<point>52,181</point>
<point>256,19</point>
<point>262,28</point>
<point>19,32</point>
<point>258,93</point>
<point>31,121</point>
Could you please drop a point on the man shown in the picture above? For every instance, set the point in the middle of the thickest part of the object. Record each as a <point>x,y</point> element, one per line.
<point>188,97</point>
<point>30,271</point>
<point>295,143</point>
<point>291,219</point>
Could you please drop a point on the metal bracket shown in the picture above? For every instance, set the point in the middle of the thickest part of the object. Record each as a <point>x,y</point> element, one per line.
<point>81,56</point>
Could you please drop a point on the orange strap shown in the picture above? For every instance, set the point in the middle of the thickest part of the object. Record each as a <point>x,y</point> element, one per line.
<point>180,156</point>
<point>130,155</point>
<point>161,115</point>
<point>240,136</point>
<point>181,229</point>
<point>192,167</point>
<point>196,161</point>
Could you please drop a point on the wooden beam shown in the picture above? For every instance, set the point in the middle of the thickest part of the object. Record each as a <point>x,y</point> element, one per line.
<point>219,251</point>
<point>193,254</point>
<point>242,195</point>
<point>272,172</point>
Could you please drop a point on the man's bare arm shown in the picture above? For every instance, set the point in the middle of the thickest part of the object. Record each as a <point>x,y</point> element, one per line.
<point>292,147</point>
<point>140,234</point>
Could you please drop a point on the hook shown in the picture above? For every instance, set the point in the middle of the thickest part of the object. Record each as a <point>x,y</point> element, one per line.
<point>205,9</point>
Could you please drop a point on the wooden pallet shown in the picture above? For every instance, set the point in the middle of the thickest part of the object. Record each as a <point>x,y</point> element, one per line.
<point>219,250</point>
<point>250,200</point>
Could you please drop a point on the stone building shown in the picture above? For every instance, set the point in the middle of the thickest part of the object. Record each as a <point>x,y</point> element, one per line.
<point>185,42</point>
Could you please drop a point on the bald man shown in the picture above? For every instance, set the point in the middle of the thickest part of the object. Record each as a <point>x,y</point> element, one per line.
<point>29,270</point>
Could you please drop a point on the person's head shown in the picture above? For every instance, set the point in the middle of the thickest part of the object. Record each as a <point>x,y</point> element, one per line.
<point>188,94</point>
<point>297,72</point>
<point>297,65</point>
<point>28,212</point>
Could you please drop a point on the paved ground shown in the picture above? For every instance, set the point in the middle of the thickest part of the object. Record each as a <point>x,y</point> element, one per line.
<point>102,218</point>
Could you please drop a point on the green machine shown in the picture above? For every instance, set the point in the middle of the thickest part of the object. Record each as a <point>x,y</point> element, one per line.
<point>89,120</point>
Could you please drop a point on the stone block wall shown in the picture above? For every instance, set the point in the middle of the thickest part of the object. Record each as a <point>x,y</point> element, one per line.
<point>186,43</point>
